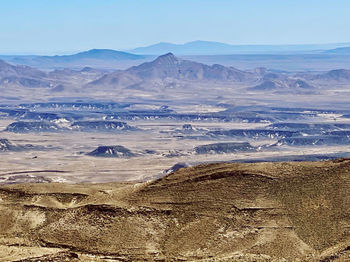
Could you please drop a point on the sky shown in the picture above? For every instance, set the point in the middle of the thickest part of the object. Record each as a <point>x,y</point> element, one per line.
<point>65,26</point>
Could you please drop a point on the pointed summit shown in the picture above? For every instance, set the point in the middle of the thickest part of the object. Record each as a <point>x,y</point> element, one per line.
<point>167,59</point>
<point>169,55</point>
<point>164,66</point>
<point>170,66</point>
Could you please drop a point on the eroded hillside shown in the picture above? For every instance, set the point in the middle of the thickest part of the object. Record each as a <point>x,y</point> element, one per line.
<point>218,212</point>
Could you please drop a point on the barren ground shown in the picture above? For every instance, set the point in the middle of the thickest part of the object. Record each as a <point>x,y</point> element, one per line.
<point>216,212</point>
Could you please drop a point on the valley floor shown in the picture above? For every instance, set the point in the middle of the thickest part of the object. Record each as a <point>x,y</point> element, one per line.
<point>65,159</point>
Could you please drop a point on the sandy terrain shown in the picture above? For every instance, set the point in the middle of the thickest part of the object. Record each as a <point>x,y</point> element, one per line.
<point>218,212</point>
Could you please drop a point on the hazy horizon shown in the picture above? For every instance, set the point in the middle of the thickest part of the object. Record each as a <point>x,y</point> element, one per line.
<point>130,49</point>
<point>63,27</point>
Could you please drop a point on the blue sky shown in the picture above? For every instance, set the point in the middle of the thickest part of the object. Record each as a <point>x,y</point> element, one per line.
<point>59,26</point>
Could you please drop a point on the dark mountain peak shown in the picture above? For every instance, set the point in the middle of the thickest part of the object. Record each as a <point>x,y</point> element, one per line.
<point>170,54</point>
<point>164,66</point>
<point>169,66</point>
<point>87,69</point>
<point>168,58</point>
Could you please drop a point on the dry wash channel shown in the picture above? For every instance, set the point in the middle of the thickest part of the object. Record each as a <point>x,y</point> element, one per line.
<point>217,212</point>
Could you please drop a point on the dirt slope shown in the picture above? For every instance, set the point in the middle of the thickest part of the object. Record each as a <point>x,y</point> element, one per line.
<point>218,212</point>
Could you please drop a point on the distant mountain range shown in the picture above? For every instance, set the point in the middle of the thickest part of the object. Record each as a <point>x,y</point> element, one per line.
<point>309,57</point>
<point>216,48</point>
<point>96,57</point>
<point>166,71</point>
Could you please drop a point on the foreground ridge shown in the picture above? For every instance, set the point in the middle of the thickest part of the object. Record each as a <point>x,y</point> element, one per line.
<point>218,212</point>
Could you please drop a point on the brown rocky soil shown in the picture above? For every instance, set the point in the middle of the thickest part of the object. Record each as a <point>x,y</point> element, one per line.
<point>218,212</point>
